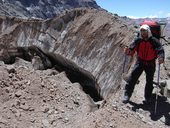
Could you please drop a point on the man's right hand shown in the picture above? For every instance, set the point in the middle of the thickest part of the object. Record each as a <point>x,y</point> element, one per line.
<point>127,51</point>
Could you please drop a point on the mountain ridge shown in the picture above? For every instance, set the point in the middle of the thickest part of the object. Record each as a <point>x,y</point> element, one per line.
<point>137,21</point>
<point>41,8</point>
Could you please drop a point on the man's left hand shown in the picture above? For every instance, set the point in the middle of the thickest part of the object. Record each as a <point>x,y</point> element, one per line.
<point>160,60</point>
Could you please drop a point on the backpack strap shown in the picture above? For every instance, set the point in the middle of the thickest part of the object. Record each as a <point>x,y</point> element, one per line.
<point>154,42</point>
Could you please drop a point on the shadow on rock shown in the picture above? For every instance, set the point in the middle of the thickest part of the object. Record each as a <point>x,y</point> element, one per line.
<point>51,60</point>
<point>162,112</point>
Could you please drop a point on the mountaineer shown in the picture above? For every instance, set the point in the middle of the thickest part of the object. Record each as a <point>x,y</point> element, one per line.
<point>148,49</point>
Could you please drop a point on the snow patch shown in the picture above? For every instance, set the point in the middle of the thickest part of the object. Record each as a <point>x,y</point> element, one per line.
<point>63,34</point>
<point>29,8</point>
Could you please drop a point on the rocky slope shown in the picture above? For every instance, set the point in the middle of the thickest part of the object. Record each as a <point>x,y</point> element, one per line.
<point>90,38</point>
<point>46,98</point>
<point>41,8</point>
<point>35,99</point>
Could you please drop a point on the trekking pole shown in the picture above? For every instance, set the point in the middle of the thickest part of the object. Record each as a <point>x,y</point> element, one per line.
<point>124,63</point>
<point>125,59</point>
<point>156,102</point>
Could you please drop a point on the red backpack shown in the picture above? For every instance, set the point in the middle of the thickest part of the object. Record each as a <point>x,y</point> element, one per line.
<point>155,28</point>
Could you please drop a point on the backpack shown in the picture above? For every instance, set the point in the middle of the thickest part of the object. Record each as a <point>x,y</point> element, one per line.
<point>155,28</point>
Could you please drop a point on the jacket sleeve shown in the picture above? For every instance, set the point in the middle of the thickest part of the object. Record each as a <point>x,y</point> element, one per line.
<point>159,48</point>
<point>133,46</point>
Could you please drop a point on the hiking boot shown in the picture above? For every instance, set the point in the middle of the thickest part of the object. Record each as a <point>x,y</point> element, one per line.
<point>125,99</point>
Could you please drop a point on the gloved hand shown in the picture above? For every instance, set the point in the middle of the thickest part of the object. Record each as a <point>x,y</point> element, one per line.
<point>160,60</point>
<point>127,51</point>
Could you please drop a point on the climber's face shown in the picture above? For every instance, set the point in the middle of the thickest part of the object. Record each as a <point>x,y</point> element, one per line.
<point>144,33</point>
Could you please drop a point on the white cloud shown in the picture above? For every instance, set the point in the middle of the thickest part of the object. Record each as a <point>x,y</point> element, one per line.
<point>151,16</point>
<point>158,14</point>
<point>135,17</point>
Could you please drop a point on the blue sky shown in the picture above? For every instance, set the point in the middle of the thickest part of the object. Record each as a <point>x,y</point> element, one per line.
<point>137,8</point>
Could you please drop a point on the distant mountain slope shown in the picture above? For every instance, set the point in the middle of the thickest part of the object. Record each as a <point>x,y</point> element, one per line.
<point>138,21</point>
<point>41,8</point>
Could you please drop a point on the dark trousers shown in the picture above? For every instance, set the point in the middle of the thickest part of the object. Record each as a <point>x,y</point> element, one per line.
<point>139,67</point>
